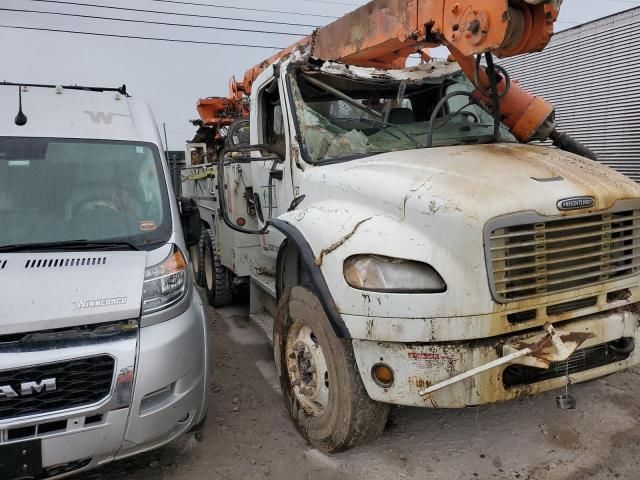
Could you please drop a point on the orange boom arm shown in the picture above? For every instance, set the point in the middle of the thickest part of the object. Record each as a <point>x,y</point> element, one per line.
<point>383,33</point>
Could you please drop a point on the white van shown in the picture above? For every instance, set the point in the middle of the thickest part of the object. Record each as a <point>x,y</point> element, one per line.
<point>103,345</point>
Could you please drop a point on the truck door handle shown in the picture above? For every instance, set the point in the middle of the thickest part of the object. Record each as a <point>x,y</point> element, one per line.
<point>256,199</point>
<point>276,174</point>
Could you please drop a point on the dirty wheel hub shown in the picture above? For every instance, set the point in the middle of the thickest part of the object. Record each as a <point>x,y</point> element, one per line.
<point>307,369</point>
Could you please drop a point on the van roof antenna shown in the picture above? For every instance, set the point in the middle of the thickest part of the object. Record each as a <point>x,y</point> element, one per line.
<point>21,118</point>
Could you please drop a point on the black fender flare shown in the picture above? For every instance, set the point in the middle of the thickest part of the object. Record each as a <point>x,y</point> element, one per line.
<point>307,257</point>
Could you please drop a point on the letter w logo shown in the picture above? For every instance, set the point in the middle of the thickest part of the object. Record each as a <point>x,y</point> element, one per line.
<point>103,117</point>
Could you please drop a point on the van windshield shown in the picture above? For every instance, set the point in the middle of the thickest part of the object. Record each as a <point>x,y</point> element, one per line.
<point>63,190</point>
<point>342,118</point>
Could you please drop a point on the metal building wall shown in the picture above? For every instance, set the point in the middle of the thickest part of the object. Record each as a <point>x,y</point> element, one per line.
<point>591,73</point>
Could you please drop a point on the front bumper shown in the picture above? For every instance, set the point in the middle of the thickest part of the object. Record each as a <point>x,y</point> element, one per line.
<point>419,366</point>
<point>166,396</point>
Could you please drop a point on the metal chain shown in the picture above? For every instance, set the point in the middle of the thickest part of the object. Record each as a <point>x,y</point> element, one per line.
<point>314,37</point>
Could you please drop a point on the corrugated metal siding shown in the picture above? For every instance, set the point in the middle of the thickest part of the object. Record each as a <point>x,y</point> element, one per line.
<point>591,74</point>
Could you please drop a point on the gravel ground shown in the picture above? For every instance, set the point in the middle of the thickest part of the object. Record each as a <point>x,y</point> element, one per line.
<point>249,435</point>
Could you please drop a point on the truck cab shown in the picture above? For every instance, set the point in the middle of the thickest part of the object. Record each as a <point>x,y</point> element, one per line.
<point>103,346</point>
<point>404,245</point>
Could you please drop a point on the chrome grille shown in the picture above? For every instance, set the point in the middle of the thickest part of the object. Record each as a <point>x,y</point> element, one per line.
<point>530,256</point>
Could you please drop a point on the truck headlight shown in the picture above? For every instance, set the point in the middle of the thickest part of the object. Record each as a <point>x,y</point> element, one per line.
<point>375,273</point>
<point>165,283</point>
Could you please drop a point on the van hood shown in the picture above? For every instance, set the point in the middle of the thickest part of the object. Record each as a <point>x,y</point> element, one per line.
<point>480,181</point>
<point>46,291</point>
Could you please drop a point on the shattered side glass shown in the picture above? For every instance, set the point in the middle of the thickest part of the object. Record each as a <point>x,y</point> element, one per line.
<point>324,139</point>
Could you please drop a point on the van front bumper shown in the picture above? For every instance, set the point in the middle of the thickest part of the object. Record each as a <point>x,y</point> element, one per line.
<point>419,366</point>
<point>166,398</point>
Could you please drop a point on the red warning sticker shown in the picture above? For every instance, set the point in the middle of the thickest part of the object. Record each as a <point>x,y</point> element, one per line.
<point>424,356</point>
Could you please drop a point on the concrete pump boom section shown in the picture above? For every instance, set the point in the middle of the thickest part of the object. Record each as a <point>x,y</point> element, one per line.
<point>383,33</point>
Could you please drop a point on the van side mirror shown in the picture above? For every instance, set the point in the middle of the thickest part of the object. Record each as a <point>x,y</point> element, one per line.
<point>190,219</point>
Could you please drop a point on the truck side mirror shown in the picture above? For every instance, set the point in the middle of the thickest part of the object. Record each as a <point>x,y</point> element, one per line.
<point>190,219</point>
<point>239,134</point>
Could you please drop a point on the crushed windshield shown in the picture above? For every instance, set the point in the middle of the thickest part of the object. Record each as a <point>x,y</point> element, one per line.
<point>342,117</point>
<point>57,190</point>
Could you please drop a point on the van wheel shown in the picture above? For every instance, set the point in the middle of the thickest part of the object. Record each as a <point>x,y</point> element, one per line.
<point>218,280</point>
<point>320,380</point>
<point>197,259</point>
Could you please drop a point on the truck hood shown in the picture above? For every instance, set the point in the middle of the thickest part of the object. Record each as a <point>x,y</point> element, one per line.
<point>432,206</point>
<point>480,181</point>
<point>46,291</point>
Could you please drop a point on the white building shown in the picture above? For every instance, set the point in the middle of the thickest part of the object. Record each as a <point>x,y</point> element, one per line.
<point>591,73</point>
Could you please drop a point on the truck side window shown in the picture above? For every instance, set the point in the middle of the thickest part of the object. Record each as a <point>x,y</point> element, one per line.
<point>273,124</point>
<point>278,127</point>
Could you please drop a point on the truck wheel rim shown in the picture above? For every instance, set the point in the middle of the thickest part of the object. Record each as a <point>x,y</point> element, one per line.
<point>307,368</point>
<point>208,269</point>
<point>195,259</point>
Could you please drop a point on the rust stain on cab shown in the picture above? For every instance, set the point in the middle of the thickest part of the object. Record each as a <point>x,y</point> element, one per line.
<point>419,383</point>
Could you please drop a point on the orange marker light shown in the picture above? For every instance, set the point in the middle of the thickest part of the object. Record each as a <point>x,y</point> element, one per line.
<point>383,375</point>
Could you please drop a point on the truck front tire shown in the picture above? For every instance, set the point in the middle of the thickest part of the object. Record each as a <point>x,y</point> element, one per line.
<point>197,259</point>
<point>320,380</point>
<point>218,280</point>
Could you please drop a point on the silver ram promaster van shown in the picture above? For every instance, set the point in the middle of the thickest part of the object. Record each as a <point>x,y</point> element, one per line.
<point>103,342</point>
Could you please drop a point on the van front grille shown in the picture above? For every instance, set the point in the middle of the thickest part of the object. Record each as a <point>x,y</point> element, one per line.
<point>78,383</point>
<point>530,256</point>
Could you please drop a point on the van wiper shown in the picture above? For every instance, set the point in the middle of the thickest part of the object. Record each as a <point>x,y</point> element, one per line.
<point>70,245</point>
<point>386,125</point>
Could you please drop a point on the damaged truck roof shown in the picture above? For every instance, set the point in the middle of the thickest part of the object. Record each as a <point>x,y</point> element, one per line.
<point>432,72</point>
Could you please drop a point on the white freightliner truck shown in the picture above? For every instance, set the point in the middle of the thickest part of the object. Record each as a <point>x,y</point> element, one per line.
<point>406,243</point>
<point>103,346</point>
<point>397,266</point>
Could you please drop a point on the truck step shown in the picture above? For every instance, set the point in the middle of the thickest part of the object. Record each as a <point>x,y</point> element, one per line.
<point>265,322</point>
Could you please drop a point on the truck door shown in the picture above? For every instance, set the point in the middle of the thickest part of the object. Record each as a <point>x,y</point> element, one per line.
<point>272,183</point>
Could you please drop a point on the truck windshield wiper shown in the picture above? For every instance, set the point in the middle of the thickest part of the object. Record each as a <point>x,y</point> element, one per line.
<point>386,125</point>
<point>70,245</point>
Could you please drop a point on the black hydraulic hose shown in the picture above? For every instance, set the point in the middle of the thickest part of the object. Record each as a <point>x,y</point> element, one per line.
<point>499,69</point>
<point>495,96</point>
<point>569,144</point>
<point>437,109</point>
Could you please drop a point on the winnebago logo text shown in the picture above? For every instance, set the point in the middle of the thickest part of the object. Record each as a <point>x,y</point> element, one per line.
<point>100,302</point>
<point>576,203</point>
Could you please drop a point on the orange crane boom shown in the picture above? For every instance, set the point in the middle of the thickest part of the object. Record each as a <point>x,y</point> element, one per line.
<point>383,33</point>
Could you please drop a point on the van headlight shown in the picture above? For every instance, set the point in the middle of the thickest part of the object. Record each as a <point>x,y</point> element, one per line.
<point>165,284</point>
<point>375,273</point>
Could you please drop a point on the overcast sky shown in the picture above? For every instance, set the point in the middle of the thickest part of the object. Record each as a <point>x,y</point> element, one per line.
<point>172,76</point>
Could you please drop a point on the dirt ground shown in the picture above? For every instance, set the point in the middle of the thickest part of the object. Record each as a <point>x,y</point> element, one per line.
<point>249,435</point>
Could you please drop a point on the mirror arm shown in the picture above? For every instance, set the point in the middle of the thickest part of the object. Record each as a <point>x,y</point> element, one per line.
<point>221,188</point>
